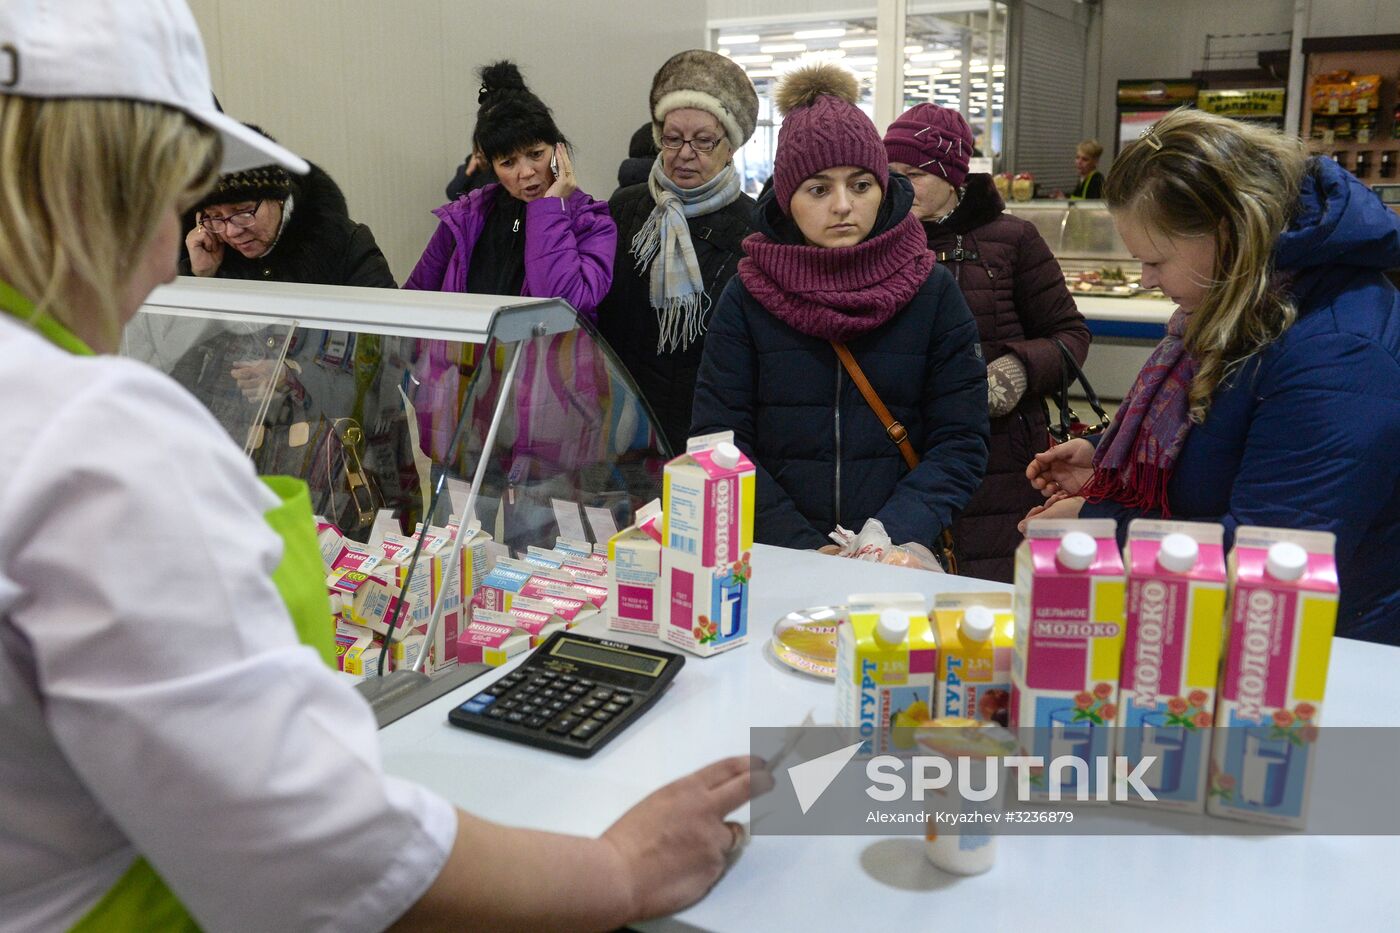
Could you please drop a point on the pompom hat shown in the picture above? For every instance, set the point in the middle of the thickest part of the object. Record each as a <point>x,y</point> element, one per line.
<point>823,128</point>
<point>934,139</point>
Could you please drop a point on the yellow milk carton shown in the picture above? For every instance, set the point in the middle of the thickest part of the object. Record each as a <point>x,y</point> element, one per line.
<point>1283,609</point>
<point>707,516</point>
<point>1171,658</point>
<point>1069,641</point>
<point>976,639</point>
<point>634,574</point>
<point>885,663</point>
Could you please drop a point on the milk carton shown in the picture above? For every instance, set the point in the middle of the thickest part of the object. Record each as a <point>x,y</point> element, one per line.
<point>976,639</point>
<point>1171,657</point>
<point>501,583</point>
<point>707,529</point>
<point>1283,609</point>
<point>491,638</point>
<point>634,574</point>
<point>885,664</point>
<point>1069,640</point>
<point>536,617</point>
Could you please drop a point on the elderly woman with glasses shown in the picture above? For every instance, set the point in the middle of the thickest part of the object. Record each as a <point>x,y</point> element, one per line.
<point>680,233</point>
<point>261,224</point>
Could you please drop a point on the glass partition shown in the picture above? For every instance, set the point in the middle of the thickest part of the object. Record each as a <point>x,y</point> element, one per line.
<point>360,392</point>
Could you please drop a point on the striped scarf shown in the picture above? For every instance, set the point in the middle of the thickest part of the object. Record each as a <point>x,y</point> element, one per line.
<point>677,288</point>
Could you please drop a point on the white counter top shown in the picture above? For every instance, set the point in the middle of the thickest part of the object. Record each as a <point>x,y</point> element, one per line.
<point>849,883</point>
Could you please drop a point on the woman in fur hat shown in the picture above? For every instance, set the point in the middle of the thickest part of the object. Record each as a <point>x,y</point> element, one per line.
<point>680,233</point>
<point>1018,297</point>
<point>839,260</point>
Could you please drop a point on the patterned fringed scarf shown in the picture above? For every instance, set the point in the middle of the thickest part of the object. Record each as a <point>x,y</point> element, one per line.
<point>1134,461</point>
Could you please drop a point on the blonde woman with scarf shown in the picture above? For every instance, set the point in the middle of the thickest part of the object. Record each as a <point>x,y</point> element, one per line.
<point>680,233</point>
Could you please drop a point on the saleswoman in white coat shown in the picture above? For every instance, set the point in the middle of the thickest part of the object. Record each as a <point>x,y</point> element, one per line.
<point>170,755</point>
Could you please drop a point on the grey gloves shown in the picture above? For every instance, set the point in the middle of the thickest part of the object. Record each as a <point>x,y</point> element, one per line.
<point>1006,383</point>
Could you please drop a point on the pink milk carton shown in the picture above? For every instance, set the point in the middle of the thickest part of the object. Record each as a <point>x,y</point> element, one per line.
<point>1283,610</point>
<point>707,533</point>
<point>634,574</point>
<point>1171,658</point>
<point>491,638</point>
<point>1069,640</point>
<point>536,617</point>
<point>568,603</point>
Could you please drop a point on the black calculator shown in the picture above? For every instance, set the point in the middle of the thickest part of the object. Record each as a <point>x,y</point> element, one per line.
<point>572,695</point>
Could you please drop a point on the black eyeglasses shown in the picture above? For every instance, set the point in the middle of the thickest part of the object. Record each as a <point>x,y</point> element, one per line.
<point>701,144</point>
<point>240,220</point>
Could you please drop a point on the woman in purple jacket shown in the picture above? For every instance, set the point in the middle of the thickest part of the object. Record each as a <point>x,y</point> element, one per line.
<point>533,232</point>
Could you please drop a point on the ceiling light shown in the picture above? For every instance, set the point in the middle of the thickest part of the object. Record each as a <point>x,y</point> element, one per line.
<point>753,59</point>
<point>860,61</point>
<point>738,40</point>
<point>724,52</point>
<point>913,49</point>
<point>939,55</point>
<point>859,43</point>
<point>781,47</point>
<point>977,64</point>
<point>819,34</point>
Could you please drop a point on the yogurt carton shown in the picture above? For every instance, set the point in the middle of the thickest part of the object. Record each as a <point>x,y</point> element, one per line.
<point>976,639</point>
<point>634,575</point>
<point>707,529</point>
<point>1069,641</point>
<point>885,664</point>
<point>1283,609</point>
<point>1171,657</point>
<point>491,638</point>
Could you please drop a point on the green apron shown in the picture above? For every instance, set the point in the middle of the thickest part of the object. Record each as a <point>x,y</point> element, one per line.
<point>140,900</point>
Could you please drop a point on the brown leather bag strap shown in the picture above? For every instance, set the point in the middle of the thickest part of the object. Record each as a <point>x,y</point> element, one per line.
<point>893,429</point>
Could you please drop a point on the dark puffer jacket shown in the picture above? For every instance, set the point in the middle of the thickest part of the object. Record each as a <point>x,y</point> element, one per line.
<point>822,455</point>
<point>321,245</point>
<point>1018,297</point>
<point>628,321</point>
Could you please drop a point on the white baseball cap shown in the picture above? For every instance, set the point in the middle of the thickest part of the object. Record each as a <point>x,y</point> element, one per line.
<point>124,49</point>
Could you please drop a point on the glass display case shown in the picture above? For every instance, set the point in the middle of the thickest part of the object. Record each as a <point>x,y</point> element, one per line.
<point>370,395</point>
<point>409,410</point>
<point>1083,238</point>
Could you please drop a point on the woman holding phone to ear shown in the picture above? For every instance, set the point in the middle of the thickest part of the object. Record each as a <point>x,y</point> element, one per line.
<point>533,232</point>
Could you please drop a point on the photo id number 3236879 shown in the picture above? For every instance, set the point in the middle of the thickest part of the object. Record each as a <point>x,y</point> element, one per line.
<point>1040,816</point>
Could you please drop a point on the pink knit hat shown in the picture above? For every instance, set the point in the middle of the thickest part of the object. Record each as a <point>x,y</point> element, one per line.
<point>933,138</point>
<point>823,128</point>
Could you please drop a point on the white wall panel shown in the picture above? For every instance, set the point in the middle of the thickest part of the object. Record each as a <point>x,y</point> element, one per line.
<point>383,95</point>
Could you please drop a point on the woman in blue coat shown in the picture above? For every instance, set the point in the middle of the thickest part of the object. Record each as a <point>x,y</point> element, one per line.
<point>839,257</point>
<point>1275,398</point>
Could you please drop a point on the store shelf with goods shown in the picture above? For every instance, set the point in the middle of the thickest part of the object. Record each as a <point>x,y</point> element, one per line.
<point>1351,110</point>
<point>1126,320</point>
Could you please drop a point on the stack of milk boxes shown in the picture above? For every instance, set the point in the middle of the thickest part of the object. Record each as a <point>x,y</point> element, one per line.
<point>1165,611</point>
<point>706,533</point>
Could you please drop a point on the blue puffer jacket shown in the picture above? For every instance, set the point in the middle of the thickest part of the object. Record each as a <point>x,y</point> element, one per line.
<point>822,455</point>
<point>1307,434</point>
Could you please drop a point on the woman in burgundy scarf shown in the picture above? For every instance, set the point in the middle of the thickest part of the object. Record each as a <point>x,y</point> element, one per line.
<point>839,257</point>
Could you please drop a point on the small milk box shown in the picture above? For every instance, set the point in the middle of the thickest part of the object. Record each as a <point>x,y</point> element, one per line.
<point>634,574</point>
<point>1283,610</point>
<point>1171,658</point>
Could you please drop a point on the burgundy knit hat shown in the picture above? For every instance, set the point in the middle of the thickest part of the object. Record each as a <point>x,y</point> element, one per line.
<point>823,128</point>
<point>933,138</point>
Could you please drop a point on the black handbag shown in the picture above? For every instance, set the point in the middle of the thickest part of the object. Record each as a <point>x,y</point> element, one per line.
<point>1069,426</point>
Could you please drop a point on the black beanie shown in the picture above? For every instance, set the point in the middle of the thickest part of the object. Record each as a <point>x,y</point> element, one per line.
<point>255,184</point>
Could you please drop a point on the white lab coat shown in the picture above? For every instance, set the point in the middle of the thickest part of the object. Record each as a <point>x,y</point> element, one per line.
<point>154,699</point>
